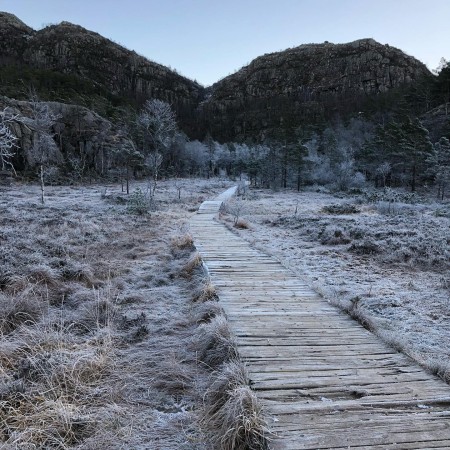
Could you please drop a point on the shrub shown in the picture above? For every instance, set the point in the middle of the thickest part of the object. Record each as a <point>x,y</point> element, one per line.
<point>340,209</point>
<point>443,212</point>
<point>138,203</point>
<point>366,247</point>
<point>334,236</point>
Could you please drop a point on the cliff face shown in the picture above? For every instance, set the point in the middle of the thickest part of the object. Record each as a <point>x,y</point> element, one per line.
<point>67,58</point>
<point>306,83</point>
<point>14,35</point>
<point>82,138</point>
<point>309,84</point>
<point>72,49</point>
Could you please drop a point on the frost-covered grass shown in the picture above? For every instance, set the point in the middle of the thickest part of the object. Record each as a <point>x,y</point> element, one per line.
<point>386,262</point>
<point>102,312</point>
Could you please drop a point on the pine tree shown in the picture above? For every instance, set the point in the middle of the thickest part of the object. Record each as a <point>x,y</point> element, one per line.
<point>439,162</point>
<point>404,145</point>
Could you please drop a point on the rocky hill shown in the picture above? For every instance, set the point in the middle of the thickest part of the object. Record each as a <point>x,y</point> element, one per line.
<point>309,85</point>
<point>306,84</point>
<point>68,63</point>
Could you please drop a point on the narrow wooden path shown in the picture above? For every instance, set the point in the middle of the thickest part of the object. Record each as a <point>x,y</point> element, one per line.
<point>325,381</point>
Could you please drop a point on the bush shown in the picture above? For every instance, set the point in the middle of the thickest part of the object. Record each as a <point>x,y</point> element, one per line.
<point>138,203</point>
<point>443,212</point>
<point>334,236</point>
<point>340,209</point>
<point>366,247</point>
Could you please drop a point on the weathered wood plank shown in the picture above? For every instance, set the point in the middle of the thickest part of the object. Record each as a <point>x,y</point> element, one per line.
<point>324,381</point>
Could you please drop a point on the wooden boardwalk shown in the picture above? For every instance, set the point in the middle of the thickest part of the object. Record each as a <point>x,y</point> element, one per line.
<point>325,381</point>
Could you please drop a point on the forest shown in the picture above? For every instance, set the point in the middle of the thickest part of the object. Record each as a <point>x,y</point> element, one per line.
<point>391,148</point>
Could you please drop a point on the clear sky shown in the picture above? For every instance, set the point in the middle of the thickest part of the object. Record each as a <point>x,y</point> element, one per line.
<point>208,39</point>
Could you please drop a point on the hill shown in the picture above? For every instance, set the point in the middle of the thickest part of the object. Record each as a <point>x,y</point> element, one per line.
<point>307,84</point>
<point>70,64</point>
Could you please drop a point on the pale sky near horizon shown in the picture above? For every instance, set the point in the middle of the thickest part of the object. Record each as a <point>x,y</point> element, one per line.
<point>208,39</point>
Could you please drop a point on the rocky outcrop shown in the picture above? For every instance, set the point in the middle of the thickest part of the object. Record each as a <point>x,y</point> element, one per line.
<point>84,60</point>
<point>305,84</point>
<point>14,35</point>
<point>84,141</point>
<point>276,93</point>
<point>72,49</point>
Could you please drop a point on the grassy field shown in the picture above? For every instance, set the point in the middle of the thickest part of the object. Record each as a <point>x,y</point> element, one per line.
<point>111,334</point>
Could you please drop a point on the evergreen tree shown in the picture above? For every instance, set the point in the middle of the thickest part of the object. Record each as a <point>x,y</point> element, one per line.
<point>404,145</point>
<point>442,85</point>
<point>439,162</point>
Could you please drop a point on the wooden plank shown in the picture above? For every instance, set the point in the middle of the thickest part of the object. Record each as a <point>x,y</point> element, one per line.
<point>323,380</point>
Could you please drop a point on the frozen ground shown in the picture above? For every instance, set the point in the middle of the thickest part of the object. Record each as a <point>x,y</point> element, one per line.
<point>97,319</point>
<point>386,263</point>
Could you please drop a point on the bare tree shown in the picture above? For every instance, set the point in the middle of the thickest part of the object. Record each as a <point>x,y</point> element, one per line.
<point>384,170</point>
<point>44,150</point>
<point>236,209</point>
<point>195,154</point>
<point>179,186</point>
<point>7,139</point>
<point>158,123</point>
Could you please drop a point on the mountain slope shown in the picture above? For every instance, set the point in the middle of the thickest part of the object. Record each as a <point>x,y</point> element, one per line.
<point>308,83</point>
<point>275,94</point>
<point>66,62</point>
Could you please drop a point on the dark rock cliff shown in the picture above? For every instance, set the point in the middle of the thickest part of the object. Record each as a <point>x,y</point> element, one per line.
<point>84,140</point>
<point>305,84</point>
<point>14,36</point>
<point>278,92</point>
<point>65,61</point>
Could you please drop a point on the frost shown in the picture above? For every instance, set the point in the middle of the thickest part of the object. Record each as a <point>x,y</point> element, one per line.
<point>388,269</point>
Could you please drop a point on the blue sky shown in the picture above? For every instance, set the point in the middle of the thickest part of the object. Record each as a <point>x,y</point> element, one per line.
<point>208,39</point>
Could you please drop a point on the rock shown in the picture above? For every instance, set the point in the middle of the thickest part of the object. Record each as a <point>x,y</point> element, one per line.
<point>68,58</point>
<point>83,138</point>
<point>308,83</point>
<point>6,178</point>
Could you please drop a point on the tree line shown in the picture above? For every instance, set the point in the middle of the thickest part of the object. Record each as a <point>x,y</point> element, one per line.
<point>394,151</point>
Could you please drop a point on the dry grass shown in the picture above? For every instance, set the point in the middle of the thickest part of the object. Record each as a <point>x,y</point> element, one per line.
<point>192,266</point>
<point>206,311</point>
<point>357,312</point>
<point>232,411</point>
<point>214,343</point>
<point>94,316</point>
<point>205,292</point>
<point>49,382</point>
<point>18,310</point>
<point>242,224</point>
<point>183,242</point>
